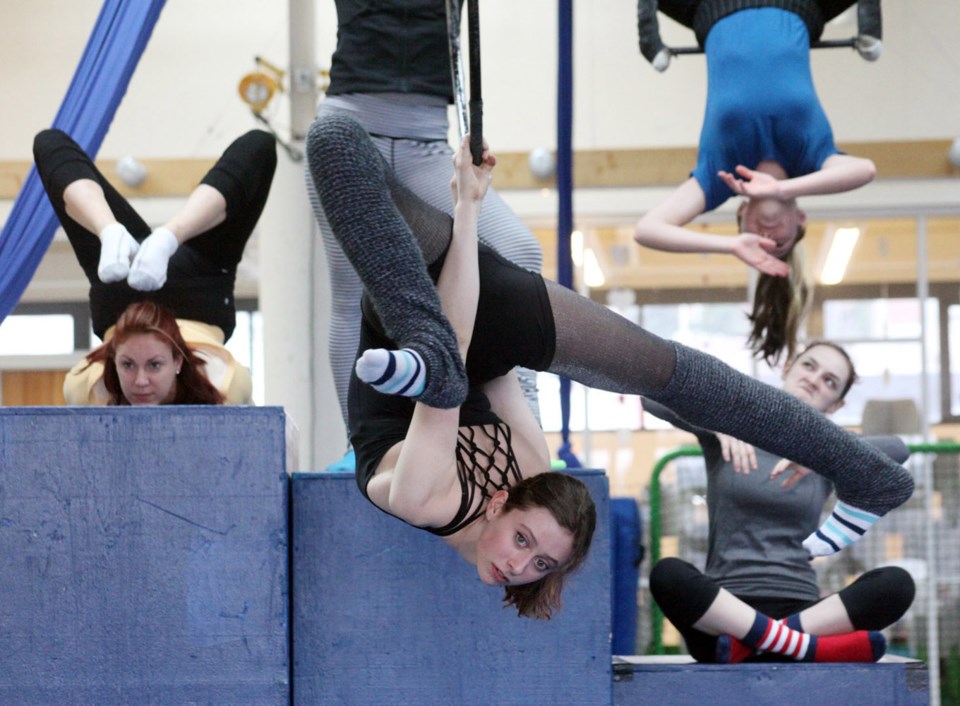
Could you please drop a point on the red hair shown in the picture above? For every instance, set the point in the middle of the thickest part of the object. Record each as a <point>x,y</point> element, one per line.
<point>146,317</point>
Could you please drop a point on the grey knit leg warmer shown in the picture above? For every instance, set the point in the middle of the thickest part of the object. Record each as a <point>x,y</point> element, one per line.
<point>869,19</point>
<point>651,45</point>
<point>711,395</point>
<point>350,179</point>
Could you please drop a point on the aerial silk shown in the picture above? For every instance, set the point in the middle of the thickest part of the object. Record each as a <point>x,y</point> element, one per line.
<point>100,82</point>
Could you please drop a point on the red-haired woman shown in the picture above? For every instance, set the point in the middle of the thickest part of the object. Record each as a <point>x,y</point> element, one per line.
<point>148,362</point>
<point>187,266</point>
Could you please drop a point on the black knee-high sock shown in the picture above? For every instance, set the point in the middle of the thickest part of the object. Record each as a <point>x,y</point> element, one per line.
<point>711,395</point>
<point>350,179</point>
<point>869,19</point>
<point>649,29</point>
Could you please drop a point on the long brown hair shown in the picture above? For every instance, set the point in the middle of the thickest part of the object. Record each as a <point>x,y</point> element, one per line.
<point>779,306</point>
<point>571,505</point>
<point>146,317</point>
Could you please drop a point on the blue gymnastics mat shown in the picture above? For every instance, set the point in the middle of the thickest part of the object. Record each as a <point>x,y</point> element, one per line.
<point>143,556</point>
<point>388,614</point>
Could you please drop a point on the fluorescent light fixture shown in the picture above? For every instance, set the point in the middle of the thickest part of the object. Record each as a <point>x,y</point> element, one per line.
<point>592,274</point>
<point>842,243</point>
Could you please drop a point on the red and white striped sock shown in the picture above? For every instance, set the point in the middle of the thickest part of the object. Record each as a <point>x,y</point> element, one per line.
<point>769,635</point>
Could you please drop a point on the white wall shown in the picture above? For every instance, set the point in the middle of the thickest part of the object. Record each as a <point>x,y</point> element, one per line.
<point>183,99</point>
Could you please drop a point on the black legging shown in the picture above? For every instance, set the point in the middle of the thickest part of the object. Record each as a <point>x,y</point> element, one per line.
<point>874,601</point>
<point>390,237</point>
<point>202,272</point>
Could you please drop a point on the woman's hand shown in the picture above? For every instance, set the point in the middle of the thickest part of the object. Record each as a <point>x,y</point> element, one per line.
<point>741,453</point>
<point>796,471</point>
<point>755,250</point>
<point>752,183</point>
<point>469,182</point>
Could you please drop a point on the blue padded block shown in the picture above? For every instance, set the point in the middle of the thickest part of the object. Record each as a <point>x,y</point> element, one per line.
<point>387,614</point>
<point>143,556</point>
<point>890,681</point>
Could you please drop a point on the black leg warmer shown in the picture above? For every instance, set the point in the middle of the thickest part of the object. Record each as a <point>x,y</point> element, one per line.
<point>711,395</point>
<point>351,181</point>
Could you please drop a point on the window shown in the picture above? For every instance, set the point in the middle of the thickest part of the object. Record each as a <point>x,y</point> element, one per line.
<point>246,345</point>
<point>37,334</point>
<point>883,337</point>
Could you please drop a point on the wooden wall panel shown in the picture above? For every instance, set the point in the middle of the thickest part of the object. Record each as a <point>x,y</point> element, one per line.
<point>30,388</point>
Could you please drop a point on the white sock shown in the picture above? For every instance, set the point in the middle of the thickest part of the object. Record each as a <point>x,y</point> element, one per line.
<point>400,372</point>
<point>845,526</point>
<point>117,248</point>
<point>149,270</point>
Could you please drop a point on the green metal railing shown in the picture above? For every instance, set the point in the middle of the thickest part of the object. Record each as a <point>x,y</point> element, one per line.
<point>656,616</point>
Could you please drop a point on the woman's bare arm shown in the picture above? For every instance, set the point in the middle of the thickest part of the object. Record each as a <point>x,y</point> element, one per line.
<point>839,173</point>
<point>422,487</point>
<point>662,228</point>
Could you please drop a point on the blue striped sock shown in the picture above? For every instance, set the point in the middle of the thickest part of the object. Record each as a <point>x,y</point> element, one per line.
<point>400,372</point>
<point>845,526</point>
<point>793,622</point>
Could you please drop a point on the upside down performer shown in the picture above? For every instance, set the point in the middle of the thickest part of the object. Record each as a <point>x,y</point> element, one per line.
<point>391,72</point>
<point>765,136</point>
<point>188,266</point>
<point>446,456</point>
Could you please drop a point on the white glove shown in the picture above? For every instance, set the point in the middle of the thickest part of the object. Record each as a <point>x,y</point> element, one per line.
<point>117,248</point>
<point>149,269</point>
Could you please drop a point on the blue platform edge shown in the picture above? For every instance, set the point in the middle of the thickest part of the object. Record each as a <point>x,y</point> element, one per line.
<point>647,680</point>
<point>144,555</point>
<point>386,613</point>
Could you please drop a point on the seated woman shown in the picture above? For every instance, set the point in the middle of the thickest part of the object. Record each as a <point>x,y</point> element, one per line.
<point>758,563</point>
<point>765,137</point>
<point>188,266</point>
<point>441,443</point>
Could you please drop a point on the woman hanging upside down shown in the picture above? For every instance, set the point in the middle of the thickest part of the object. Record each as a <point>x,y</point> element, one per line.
<point>140,279</point>
<point>765,137</point>
<point>444,438</point>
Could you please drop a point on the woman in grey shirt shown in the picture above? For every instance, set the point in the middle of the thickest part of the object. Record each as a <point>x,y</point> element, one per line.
<point>759,593</point>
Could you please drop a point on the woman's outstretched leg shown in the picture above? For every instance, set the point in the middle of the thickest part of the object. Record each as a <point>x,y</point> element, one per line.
<point>375,227</point>
<point>102,227</point>
<point>219,216</point>
<point>602,349</point>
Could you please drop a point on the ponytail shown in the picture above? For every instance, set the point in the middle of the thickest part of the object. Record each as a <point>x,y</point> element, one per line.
<point>780,304</point>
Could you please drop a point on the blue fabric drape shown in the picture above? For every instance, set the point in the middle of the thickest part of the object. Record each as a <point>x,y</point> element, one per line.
<point>99,83</point>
